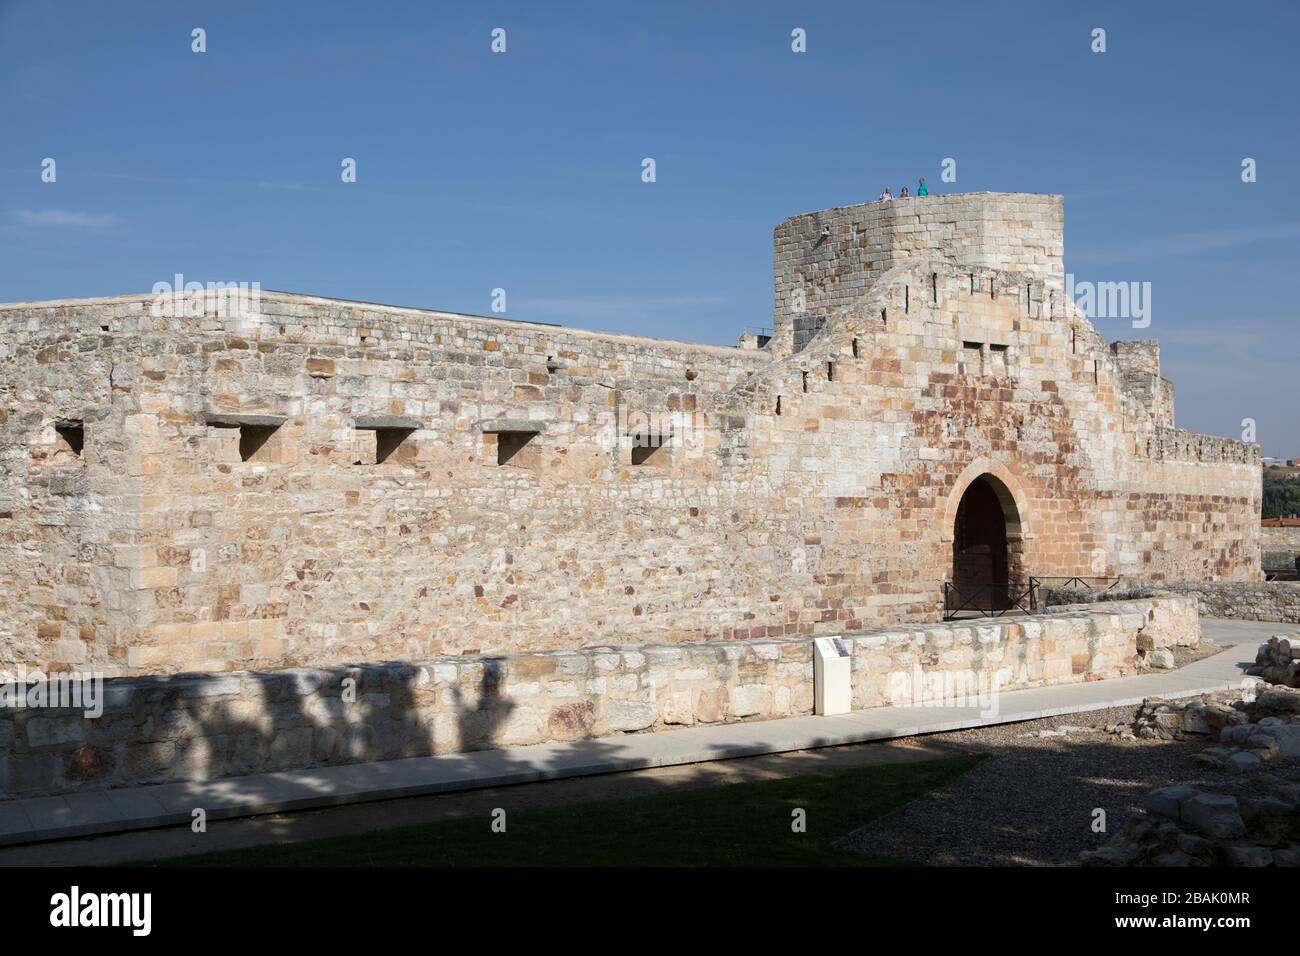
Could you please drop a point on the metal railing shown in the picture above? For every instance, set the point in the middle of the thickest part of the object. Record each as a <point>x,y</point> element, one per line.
<point>987,600</point>
<point>1076,581</point>
<point>997,599</point>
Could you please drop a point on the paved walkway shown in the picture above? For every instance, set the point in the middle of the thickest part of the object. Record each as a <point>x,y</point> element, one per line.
<point>45,818</point>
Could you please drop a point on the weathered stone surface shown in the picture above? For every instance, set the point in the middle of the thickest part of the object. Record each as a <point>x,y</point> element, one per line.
<point>1188,827</point>
<point>1161,658</point>
<point>1172,719</point>
<point>1167,801</point>
<point>1278,701</point>
<point>572,720</point>
<point>751,699</point>
<point>1254,600</point>
<point>1244,761</point>
<point>1285,739</point>
<point>1248,856</point>
<point>1214,815</point>
<point>678,708</point>
<point>537,572</point>
<point>201,727</point>
<point>1110,856</point>
<point>627,715</point>
<point>226,512</point>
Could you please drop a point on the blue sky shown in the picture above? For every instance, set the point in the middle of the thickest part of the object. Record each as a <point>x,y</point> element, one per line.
<point>522,171</point>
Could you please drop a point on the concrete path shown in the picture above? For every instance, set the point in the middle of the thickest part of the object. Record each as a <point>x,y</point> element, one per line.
<point>46,818</point>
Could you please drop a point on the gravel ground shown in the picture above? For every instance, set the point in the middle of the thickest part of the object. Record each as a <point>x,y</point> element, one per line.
<point>1185,655</point>
<point>1031,802</point>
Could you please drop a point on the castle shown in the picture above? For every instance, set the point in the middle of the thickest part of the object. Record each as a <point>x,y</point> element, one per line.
<point>323,481</point>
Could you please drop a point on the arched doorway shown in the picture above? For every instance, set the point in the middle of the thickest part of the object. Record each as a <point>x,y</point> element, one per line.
<point>986,569</point>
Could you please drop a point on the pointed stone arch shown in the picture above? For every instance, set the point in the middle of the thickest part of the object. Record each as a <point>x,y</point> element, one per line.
<point>1009,490</point>
<point>986,526</point>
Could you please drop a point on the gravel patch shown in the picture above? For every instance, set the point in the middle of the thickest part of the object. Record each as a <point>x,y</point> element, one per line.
<point>1032,802</point>
<point>1206,648</point>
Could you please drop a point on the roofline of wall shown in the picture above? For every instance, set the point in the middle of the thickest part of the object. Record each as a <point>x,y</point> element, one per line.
<point>932,196</point>
<point>489,320</point>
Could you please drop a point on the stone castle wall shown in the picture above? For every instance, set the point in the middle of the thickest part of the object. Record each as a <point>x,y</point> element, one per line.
<point>1280,539</point>
<point>1243,601</point>
<point>165,729</point>
<point>1139,364</point>
<point>798,494</point>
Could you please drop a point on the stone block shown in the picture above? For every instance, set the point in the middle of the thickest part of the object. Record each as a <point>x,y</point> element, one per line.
<point>751,699</point>
<point>627,715</point>
<point>1213,814</point>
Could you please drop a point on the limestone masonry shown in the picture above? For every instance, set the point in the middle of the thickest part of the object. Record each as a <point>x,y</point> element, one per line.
<point>201,727</point>
<point>321,482</point>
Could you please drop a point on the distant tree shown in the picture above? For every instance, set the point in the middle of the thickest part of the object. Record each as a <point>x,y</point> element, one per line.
<point>1281,495</point>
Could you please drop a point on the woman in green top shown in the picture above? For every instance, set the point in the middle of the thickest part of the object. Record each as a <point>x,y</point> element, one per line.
<point>922,189</point>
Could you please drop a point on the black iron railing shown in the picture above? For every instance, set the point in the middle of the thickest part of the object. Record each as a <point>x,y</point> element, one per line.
<point>994,600</point>
<point>1103,583</point>
<point>987,600</point>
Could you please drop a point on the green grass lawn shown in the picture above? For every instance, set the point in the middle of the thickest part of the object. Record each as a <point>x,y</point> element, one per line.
<point>742,824</point>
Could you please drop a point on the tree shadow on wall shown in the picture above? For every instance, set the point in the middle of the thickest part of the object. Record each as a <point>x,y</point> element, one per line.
<point>185,730</point>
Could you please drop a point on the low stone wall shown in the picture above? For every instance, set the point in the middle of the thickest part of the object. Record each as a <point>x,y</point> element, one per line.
<point>1171,621</point>
<point>1246,601</point>
<point>1280,539</point>
<point>195,727</point>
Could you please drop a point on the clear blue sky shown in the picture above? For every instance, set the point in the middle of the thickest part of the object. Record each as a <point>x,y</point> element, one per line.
<point>522,170</point>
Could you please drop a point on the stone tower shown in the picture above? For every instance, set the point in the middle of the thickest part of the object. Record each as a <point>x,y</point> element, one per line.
<point>824,261</point>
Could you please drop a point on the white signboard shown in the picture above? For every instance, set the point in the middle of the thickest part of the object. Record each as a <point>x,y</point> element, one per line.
<point>832,688</point>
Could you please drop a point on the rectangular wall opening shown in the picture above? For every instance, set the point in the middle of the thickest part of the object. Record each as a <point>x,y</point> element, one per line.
<point>71,437</point>
<point>511,441</point>
<point>253,438</point>
<point>650,452</point>
<point>388,441</point>
<point>253,434</point>
<point>381,437</point>
<point>513,447</point>
<point>649,437</point>
<point>378,445</point>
